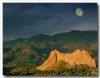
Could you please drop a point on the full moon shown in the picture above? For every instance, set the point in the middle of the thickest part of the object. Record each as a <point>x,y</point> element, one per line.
<point>79,12</point>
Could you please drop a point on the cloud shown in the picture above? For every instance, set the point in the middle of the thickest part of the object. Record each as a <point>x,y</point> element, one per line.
<point>24,20</point>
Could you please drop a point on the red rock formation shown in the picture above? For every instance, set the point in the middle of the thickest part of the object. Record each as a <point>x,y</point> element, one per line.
<point>75,58</point>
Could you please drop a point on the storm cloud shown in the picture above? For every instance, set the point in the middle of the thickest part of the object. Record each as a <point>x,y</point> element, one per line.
<point>29,19</point>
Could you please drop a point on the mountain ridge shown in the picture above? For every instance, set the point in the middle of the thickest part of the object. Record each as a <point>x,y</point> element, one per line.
<point>39,48</point>
<point>73,31</point>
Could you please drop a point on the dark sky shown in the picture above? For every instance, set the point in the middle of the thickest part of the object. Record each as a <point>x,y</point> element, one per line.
<point>28,19</point>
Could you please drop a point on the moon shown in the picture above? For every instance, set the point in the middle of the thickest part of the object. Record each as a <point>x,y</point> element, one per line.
<point>79,12</point>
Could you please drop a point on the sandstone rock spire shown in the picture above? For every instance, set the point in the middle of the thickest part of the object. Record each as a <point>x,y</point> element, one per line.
<point>75,58</point>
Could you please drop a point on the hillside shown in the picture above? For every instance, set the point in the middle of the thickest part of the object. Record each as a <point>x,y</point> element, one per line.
<point>39,46</point>
<point>33,51</point>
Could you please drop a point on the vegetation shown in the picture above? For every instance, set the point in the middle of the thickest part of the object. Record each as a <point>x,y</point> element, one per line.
<point>62,70</point>
<point>21,56</point>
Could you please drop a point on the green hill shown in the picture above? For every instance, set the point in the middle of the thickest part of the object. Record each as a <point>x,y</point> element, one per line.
<point>34,50</point>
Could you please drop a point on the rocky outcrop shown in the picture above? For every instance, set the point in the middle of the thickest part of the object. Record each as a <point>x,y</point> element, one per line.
<point>74,58</point>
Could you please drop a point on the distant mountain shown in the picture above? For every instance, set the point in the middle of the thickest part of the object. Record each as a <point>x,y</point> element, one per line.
<point>35,50</point>
<point>45,41</point>
<point>77,57</point>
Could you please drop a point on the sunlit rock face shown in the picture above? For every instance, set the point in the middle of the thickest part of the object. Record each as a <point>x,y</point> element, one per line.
<point>74,58</point>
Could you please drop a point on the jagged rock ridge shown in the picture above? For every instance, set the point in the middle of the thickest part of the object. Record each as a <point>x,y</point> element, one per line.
<point>75,58</point>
